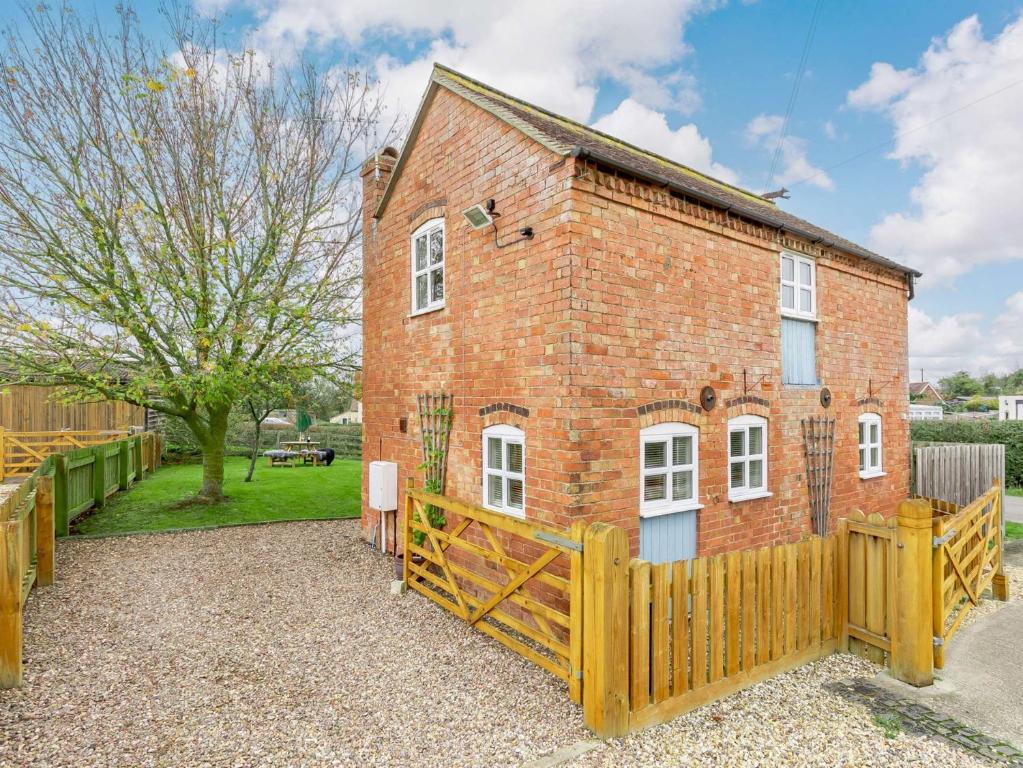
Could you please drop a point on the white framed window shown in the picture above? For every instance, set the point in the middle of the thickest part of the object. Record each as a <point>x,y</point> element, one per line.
<point>798,286</point>
<point>870,445</point>
<point>747,458</point>
<point>504,469</point>
<point>428,267</point>
<point>669,469</point>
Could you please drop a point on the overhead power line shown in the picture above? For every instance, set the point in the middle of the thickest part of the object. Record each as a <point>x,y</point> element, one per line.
<point>901,134</point>
<point>797,81</point>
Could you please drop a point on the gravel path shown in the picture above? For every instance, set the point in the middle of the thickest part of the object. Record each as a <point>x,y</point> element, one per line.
<point>263,645</point>
<point>281,645</point>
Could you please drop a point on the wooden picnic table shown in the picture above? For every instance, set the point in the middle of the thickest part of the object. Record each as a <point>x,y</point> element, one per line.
<point>306,448</point>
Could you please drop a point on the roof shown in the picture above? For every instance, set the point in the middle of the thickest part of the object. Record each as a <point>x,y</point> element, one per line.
<point>918,387</point>
<point>567,137</point>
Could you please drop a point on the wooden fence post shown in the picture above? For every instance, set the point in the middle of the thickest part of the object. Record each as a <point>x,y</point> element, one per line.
<point>122,465</point>
<point>60,522</point>
<point>1000,584</point>
<point>44,531</point>
<point>606,628</point>
<point>136,447</point>
<point>912,658</point>
<point>10,607</point>
<point>99,481</point>
<point>3,454</point>
<point>842,587</point>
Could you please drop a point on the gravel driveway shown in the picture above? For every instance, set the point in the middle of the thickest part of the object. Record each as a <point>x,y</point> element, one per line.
<point>281,645</point>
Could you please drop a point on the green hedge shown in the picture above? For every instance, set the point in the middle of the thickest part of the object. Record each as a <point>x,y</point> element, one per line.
<point>1008,433</point>
<point>345,439</point>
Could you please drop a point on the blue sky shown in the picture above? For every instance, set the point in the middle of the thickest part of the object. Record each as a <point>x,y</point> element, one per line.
<point>706,82</point>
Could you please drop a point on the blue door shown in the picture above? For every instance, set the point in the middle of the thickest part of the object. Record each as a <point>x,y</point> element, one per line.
<point>665,538</point>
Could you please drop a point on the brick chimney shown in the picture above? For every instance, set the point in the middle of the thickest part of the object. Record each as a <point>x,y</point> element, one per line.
<point>376,172</point>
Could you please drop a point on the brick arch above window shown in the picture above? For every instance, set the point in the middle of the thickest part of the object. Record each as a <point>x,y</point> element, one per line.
<point>870,405</point>
<point>433,209</point>
<point>661,411</point>
<point>748,405</point>
<point>504,413</point>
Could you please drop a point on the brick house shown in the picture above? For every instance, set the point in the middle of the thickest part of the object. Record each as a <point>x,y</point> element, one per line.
<point>925,393</point>
<point>646,357</point>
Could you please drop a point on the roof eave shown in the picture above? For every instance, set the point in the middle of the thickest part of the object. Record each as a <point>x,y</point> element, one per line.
<point>583,153</point>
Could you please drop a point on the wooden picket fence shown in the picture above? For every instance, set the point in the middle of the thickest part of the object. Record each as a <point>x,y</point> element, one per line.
<point>702,628</point>
<point>21,453</point>
<point>62,487</point>
<point>653,641</point>
<point>967,561</point>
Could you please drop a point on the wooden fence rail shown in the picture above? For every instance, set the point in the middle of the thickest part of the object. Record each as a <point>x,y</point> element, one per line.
<point>63,486</point>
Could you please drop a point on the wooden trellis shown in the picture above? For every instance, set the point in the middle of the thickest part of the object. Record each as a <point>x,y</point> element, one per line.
<point>435,413</point>
<point>819,440</point>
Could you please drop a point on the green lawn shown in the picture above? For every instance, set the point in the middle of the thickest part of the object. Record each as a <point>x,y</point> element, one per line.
<point>1013,530</point>
<point>1014,491</point>
<point>277,493</point>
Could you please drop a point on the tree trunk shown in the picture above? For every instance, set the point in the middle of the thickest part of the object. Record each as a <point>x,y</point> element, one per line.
<point>255,452</point>
<point>213,458</point>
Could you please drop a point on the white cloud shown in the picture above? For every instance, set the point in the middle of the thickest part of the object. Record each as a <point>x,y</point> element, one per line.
<point>764,131</point>
<point>830,130</point>
<point>649,129</point>
<point>966,205</point>
<point>547,51</point>
<point>942,345</point>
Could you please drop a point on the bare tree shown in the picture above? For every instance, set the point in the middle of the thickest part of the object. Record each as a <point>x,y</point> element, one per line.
<point>177,227</point>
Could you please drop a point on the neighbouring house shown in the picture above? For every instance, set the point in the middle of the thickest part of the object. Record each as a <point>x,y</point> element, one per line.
<point>920,412</point>
<point>1010,408</point>
<point>625,339</point>
<point>925,393</point>
<point>352,416</point>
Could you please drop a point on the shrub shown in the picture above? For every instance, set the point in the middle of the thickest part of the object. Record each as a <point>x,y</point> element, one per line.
<point>1008,433</point>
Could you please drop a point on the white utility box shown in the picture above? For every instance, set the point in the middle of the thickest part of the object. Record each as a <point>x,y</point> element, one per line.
<point>383,486</point>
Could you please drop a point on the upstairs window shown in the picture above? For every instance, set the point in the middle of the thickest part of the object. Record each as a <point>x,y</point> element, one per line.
<point>747,458</point>
<point>798,300</point>
<point>870,446</point>
<point>670,468</point>
<point>504,470</point>
<point>798,286</point>
<point>428,267</point>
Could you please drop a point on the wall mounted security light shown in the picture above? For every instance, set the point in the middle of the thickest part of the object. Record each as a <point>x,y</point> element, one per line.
<point>478,216</point>
<point>482,214</point>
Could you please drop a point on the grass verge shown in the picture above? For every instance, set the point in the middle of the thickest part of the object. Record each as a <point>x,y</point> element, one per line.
<point>1013,531</point>
<point>278,493</point>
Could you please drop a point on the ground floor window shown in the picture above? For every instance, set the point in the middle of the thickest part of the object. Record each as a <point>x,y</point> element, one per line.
<point>747,457</point>
<point>504,470</point>
<point>870,445</point>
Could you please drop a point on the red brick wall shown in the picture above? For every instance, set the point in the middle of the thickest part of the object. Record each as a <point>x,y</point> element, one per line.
<point>623,298</point>
<point>502,336</point>
<point>669,303</point>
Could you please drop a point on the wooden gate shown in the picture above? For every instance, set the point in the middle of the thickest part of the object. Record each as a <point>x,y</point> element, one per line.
<point>21,453</point>
<point>515,580</point>
<point>870,569</point>
<point>967,561</point>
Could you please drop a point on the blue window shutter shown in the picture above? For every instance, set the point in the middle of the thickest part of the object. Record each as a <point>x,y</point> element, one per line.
<point>798,351</point>
<point>666,538</point>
